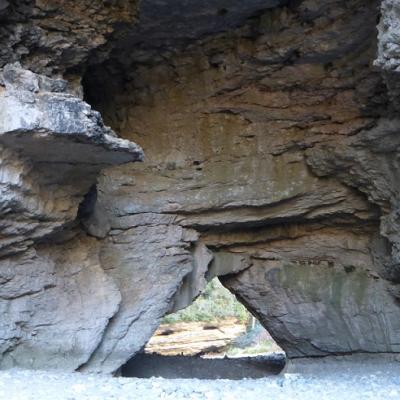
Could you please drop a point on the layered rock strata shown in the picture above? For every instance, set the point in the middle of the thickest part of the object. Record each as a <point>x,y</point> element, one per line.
<point>271,141</point>
<point>55,298</point>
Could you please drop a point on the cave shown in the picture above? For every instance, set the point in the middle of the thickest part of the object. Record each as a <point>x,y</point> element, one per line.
<point>149,148</point>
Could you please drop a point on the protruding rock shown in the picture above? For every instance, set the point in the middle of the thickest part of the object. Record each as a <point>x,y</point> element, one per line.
<point>53,148</point>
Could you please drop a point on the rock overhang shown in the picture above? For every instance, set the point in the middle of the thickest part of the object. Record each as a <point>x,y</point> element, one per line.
<point>262,169</point>
<point>165,23</point>
<point>43,122</point>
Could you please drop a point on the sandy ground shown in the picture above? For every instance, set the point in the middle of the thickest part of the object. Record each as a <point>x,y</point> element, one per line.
<point>210,339</point>
<point>24,385</point>
<point>190,338</point>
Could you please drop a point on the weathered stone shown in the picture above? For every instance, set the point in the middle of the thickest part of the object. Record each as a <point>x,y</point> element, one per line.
<point>56,302</point>
<point>53,148</point>
<point>271,143</point>
<point>271,135</point>
<point>51,37</point>
<point>319,295</point>
<point>46,125</point>
<point>388,57</point>
<point>148,263</point>
<point>56,299</point>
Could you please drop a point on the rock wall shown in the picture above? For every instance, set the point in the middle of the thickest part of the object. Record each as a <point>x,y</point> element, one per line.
<point>56,299</point>
<point>271,160</point>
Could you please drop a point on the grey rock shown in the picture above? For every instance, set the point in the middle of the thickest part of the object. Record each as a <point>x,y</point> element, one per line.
<point>280,167</point>
<point>319,302</point>
<point>148,263</point>
<point>195,282</point>
<point>389,48</point>
<point>33,112</point>
<point>56,302</point>
<point>4,4</point>
<point>271,162</point>
<point>52,144</point>
<point>56,299</point>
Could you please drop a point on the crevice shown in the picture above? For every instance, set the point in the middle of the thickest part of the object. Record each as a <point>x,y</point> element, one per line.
<point>87,206</point>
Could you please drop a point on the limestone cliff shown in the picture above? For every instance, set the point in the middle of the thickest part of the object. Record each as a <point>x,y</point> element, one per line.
<point>271,143</point>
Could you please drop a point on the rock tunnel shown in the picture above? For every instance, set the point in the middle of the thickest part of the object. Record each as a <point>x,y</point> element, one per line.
<point>270,139</point>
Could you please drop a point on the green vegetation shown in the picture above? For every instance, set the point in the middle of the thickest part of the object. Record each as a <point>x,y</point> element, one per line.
<point>214,304</point>
<point>262,347</point>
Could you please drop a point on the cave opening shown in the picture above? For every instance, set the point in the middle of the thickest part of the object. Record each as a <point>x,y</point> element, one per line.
<point>215,337</point>
<point>271,139</point>
<point>233,168</point>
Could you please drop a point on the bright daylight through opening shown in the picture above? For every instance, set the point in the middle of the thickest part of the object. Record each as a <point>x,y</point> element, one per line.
<point>215,337</point>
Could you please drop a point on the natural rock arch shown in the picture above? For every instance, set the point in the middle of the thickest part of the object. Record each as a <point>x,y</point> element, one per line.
<point>270,143</point>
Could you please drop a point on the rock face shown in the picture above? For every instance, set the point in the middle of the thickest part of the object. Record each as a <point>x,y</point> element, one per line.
<point>271,138</point>
<point>55,37</point>
<point>53,148</point>
<point>55,298</point>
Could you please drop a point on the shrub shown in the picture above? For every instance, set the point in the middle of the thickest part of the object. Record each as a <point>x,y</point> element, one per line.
<point>215,303</point>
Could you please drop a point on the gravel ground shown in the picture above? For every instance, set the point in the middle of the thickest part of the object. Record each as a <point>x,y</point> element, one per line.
<point>27,385</point>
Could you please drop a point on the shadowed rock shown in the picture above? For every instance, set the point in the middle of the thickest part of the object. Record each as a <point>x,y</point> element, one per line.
<point>271,138</point>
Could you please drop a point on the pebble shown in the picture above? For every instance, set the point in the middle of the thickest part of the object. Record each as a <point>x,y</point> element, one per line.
<point>40,385</point>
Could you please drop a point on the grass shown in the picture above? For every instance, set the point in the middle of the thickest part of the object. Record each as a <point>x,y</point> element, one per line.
<point>262,347</point>
<point>215,303</point>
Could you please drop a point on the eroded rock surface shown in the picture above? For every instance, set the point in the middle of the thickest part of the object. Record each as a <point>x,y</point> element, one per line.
<point>53,36</point>
<point>271,141</point>
<point>56,300</point>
